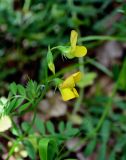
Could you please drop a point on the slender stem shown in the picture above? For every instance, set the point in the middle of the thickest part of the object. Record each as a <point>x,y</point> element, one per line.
<point>78,101</point>
<point>81,92</point>
<point>69,68</point>
<point>56,47</point>
<point>102,37</point>
<point>6,136</point>
<point>13,147</point>
<point>107,109</point>
<point>26,5</point>
<point>99,66</point>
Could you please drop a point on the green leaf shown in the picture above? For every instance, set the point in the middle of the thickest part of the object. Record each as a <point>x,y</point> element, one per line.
<point>70,131</point>
<point>40,125</point>
<point>11,106</point>
<point>61,127</point>
<point>122,77</point>
<point>112,155</point>
<point>18,102</point>
<point>30,149</point>
<point>87,124</point>
<point>68,125</point>
<point>102,152</point>
<point>24,106</point>
<point>121,142</point>
<point>47,148</point>
<point>21,90</point>
<point>87,79</point>
<point>26,126</point>
<point>13,88</point>
<point>15,131</point>
<point>105,131</point>
<point>50,127</point>
<point>32,90</point>
<point>90,148</point>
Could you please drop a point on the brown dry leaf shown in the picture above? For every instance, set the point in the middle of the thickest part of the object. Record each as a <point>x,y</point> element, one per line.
<point>80,156</point>
<point>53,106</point>
<point>71,143</point>
<point>75,119</point>
<point>109,52</point>
<point>104,85</point>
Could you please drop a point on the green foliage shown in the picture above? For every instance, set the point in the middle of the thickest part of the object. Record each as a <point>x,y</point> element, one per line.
<point>30,149</point>
<point>50,127</point>
<point>47,148</point>
<point>20,94</point>
<point>122,77</point>
<point>40,126</point>
<point>90,148</point>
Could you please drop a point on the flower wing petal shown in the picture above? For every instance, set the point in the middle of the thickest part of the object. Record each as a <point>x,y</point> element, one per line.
<point>80,51</point>
<point>67,94</point>
<point>75,92</point>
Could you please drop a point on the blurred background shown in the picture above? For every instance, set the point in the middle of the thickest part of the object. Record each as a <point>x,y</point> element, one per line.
<point>27,27</point>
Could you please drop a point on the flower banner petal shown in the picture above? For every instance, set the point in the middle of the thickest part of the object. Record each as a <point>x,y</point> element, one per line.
<point>77,76</point>
<point>73,39</point>
<point>68,83</point>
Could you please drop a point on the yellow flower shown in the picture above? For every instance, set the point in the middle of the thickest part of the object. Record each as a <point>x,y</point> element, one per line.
<point>75,50</point>
<point>67,87</point>
<point>5,123</point>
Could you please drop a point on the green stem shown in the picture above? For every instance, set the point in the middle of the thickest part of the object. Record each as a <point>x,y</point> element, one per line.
<point>102,37</point>
<point>6,136</point>
<point>26,5</point>
<point>13,147</point>
<point>56,47</point>
<point>78,101</point>
<point>99,66</point>
<point>106,111</point>
<point>64,70</point>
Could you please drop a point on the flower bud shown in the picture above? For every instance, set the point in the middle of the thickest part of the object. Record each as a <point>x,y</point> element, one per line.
<point>50,61</point>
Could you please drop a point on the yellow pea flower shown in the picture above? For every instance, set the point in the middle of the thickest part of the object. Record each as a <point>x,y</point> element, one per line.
<point>5,123</point>
<point>75,50</point>
<point>67,87</point>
